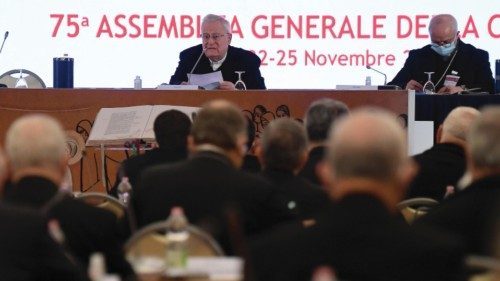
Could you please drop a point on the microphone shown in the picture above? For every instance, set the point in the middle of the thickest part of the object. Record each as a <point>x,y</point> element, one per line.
<point>371,68</point>
<point>196,63</point>
<point>4,38</point>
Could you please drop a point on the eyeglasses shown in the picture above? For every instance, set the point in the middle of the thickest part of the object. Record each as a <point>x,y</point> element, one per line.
<point>215,36</point>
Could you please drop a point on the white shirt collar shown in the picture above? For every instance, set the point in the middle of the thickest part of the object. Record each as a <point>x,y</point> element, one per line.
<point>216,64</point>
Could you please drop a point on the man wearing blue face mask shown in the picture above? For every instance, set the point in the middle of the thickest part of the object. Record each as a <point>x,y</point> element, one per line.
<point>455,65</point>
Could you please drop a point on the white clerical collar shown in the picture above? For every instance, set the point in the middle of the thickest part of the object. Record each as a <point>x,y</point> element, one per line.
<point>216,64</point>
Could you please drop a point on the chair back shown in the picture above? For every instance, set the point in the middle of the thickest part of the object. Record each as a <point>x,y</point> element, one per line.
<point>413,208</point>
<point>11,77</point>
<point>104,201</point>
<point>150,241</point>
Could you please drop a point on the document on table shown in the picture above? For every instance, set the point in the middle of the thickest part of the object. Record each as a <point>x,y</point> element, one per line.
<point>203,80</point>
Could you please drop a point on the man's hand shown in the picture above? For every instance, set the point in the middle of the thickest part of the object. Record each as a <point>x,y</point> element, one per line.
<point>226,85</point>
<point>184,83</point>
<point>450,90</point>
<point>414,85</point>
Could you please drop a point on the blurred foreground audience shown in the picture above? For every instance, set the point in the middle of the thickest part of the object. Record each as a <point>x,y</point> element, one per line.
<point>360,236</point>
<point>27,251</point>
<point>473,212</point>
<point>283,153</point>
<point>444,164</point>
<point>35,146</point>
<point>209,182</point>
<point>319,118</point>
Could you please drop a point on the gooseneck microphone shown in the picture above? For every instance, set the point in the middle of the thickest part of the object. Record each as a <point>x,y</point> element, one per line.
<point>385,76</point>
<point>196,63</point>
<point>4,38</point>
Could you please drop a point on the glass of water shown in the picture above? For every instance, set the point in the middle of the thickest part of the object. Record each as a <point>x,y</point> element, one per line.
<point>429,87</point>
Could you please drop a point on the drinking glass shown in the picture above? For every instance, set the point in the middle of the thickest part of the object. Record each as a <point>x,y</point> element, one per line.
<point>21,82</point>
<point>240,85</point>
<point>429,87</point>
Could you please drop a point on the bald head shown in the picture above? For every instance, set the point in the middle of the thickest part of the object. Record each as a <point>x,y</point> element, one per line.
<point>457,123</point>
<point>443,28</point>
<point>35,141</point>
<point>367,144</point>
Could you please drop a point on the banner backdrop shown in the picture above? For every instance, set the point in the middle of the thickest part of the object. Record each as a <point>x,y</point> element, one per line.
<point>303,44</point>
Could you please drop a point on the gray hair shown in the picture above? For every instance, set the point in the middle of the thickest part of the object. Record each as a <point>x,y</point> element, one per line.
<point>444,19</point>
<point>369,144</point>
<point>215,18</point>
<point>484,139</point>
<point>219,123</point>
<point>283,142</point>
<point>320,115</point>
<point>459,120</point>
<point>35,141</point>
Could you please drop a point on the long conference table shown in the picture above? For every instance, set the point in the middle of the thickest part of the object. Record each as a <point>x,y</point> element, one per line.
<point>76,109</point>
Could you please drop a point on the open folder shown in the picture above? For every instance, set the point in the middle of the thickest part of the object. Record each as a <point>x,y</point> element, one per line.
<point>115,126</point>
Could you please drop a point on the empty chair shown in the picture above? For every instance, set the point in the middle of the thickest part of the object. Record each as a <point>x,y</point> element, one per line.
<point>104,201</point>
<point>416,207</point>
<point>23,78</point>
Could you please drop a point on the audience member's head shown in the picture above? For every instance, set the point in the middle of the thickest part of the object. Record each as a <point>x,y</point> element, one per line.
<point>457,124</point>
<point>221,125</point>
<point>36,144</point>
<point>284,145</point>
<point>319,117</point>
<point>172,129</point>
<point>484,143</point>
<point>251,133</point>
<point>369,147</point>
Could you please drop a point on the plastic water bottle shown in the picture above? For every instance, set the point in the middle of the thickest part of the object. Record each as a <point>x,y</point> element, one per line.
<point>97,267</point>
<point>138,82</point>
<point>368,81</point>
<point>124,189</point>
<point>176,236</point>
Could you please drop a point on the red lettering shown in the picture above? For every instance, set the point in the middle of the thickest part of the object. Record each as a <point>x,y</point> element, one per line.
<point>419,26</point>
<point>132,21</point>
<point>346,28</point>
<point>118,23</point>
<point>310,26</point>
<point>104,28</point>
<point>404,19</point>
<point>264,29</point>
<point>490,26</point>
<point>360,35</point>
<point>470,27</point>
<point>236,28</point>
<point>377,26</point>
<point>291,24</point>
<point>168,28</point>
<point>328,26</point>
<point>148,26</point>
<point>276,25</point>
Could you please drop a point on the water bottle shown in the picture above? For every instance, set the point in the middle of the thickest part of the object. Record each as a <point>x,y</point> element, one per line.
<point>137,83</point>
<point>368,81</point>
<point>124,189</point>
<point>97,267</point>
<point>176,237</point>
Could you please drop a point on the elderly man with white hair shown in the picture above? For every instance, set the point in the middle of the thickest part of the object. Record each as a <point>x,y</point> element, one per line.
<point>35,146</point>
<point>360,235</point>
<point>216,54</point>
<point>456,65</point>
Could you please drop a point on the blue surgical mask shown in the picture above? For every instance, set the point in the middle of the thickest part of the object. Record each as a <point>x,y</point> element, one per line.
<point>444,50</point>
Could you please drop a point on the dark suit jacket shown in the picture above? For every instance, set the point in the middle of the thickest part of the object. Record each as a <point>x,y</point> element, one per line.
<point>473,213</point>
<point>439,166</point>
<point>309,171</point>
<point>28,253</point>
<point>205,185</point>
<point>472,65</point>
<point>302,198</point>
<point>360,240</point>
<point>132,167</point>
<point>237,60</point>
<point>87,229</point>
